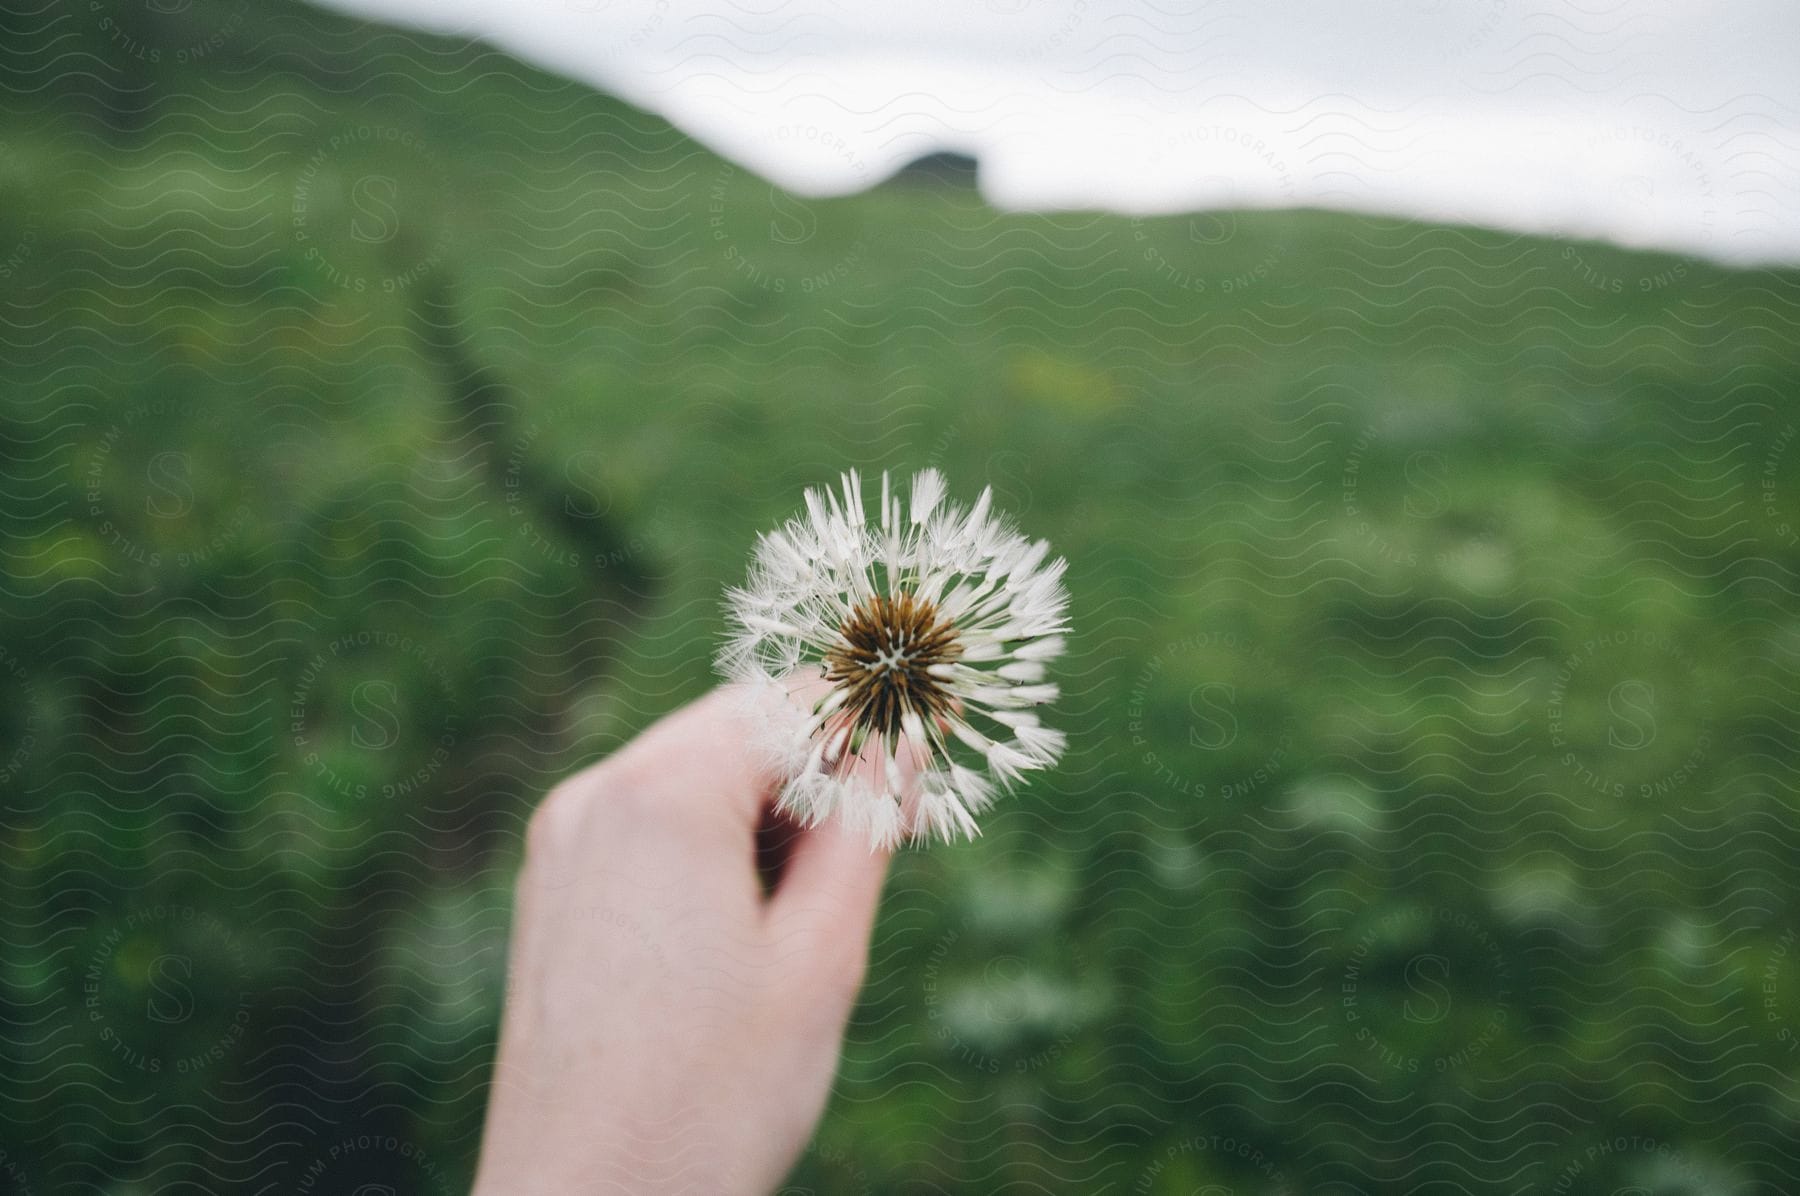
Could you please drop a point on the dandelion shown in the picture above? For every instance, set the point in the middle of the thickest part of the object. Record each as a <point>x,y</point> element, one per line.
<point>910,653</point>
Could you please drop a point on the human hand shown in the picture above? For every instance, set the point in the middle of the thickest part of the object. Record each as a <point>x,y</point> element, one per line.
<point>668,1027</point>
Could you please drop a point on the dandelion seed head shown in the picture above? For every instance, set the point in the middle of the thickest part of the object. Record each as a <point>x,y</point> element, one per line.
<point>920,639</point>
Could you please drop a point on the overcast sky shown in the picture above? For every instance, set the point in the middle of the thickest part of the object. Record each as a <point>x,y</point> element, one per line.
<point>1667,123</point>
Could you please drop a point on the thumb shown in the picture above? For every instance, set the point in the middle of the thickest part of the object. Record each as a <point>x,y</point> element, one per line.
<point>823,909</point>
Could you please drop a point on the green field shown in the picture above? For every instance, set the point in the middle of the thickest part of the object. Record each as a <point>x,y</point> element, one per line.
<point>381,420</point>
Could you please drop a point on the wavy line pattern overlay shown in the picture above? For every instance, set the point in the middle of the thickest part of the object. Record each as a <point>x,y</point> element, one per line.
<point>382,418</point>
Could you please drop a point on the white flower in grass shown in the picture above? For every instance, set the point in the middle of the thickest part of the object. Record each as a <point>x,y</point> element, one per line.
<point>930,627</point>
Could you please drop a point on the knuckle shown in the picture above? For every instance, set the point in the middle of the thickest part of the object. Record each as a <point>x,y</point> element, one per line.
<point>553,820</point>
<point>614,785</point>
<point>538,830</point>
<point>626,788</point>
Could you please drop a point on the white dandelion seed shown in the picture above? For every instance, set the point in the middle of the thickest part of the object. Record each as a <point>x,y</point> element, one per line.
<point>931,628</point>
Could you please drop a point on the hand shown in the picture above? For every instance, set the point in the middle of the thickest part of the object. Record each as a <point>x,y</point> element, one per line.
<point>668,1027</point>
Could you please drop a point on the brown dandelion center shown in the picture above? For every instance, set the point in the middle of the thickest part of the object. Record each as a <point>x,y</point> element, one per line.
<point>884,652</point>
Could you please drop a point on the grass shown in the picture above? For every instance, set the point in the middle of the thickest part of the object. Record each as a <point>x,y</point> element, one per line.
<point>1429,818</point>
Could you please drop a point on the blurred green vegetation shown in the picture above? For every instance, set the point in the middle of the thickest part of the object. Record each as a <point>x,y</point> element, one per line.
<point>382,418</point>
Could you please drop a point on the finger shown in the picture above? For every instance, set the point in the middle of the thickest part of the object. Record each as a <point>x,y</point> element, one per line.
<point>712,758</point>
<point>824,906</point>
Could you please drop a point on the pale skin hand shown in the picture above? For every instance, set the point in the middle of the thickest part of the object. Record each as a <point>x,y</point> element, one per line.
<point>668,1028</point>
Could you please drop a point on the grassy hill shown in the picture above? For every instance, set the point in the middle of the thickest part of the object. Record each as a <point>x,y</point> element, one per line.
<point>382,418</point>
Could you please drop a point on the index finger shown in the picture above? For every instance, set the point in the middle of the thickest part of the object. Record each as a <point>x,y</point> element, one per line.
<point>708,756</point>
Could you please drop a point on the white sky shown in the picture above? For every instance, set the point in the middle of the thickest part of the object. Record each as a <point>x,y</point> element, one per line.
<point>1659,123</point>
